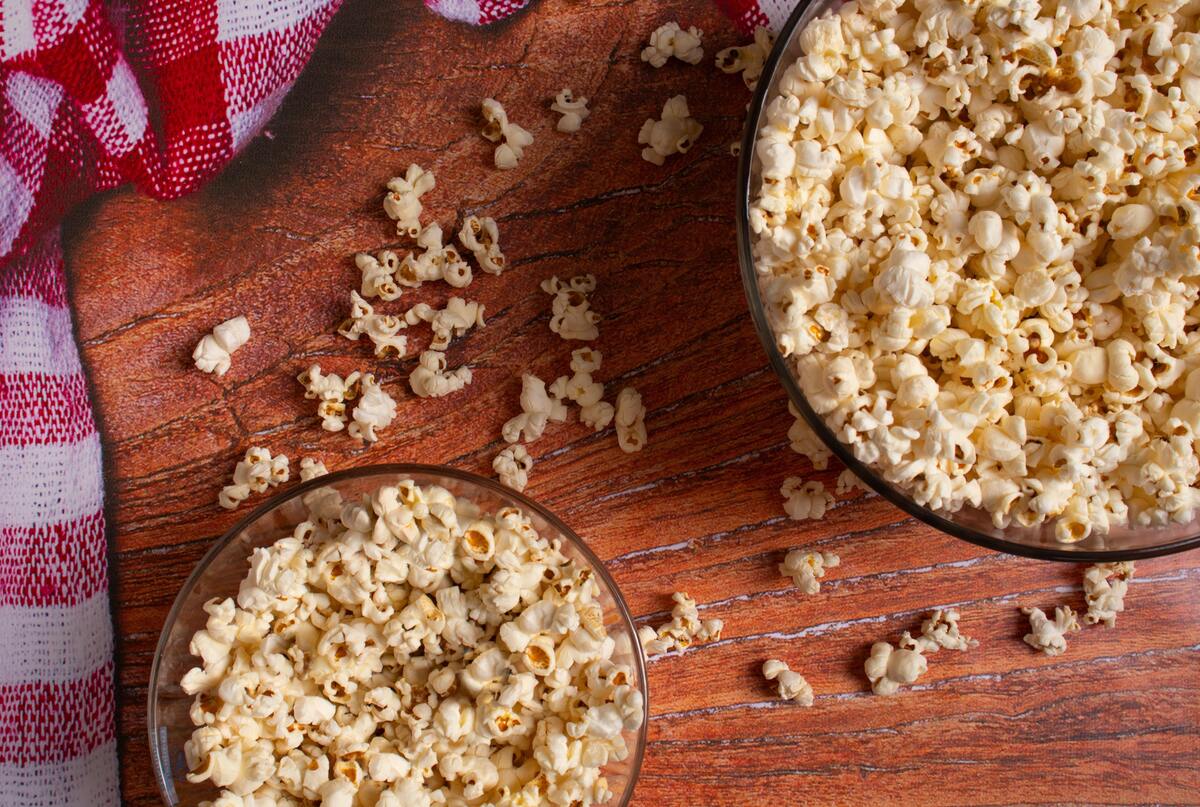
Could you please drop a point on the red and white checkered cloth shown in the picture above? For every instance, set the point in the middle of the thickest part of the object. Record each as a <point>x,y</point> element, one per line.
<point>75,79</point>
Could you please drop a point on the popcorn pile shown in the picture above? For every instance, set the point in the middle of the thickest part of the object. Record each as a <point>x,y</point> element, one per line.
<point>978,241</point>
<point>408,649</point>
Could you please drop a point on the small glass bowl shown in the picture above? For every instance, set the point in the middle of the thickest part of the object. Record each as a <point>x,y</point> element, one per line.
<point>973,525</point>
<point>221,570</point>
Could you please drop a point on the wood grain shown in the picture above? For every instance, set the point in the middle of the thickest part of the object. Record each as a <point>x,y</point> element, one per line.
<point>1115,719</point>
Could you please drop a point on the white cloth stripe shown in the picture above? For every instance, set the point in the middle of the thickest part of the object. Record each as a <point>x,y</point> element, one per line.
<point>16,32</point>
<point>51,482</point>
<point>34,99</point>
<point>36,338</point>
<point>777,12</point>
<point>461,10</point>
<point>56,644</point>
<point>89,781</point>
<point>237,19</point>
<point>16,201</point>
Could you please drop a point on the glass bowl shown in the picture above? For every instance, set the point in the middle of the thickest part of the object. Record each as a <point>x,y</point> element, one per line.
<point>975,526</point>
<point>220,571</point>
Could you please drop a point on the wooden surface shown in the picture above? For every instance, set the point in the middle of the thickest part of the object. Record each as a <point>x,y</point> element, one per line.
<point>1115,719</point>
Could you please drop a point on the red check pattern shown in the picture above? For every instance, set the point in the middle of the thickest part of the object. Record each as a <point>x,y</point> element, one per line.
<point>161,94</point>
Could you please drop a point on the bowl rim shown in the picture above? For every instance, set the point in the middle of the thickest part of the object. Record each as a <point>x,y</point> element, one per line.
<point>804,12</point>
<point>392,469</point>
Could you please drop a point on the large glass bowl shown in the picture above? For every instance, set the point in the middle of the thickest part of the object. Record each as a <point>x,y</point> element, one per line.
<point>1120,543</point>
<point>222,569</point>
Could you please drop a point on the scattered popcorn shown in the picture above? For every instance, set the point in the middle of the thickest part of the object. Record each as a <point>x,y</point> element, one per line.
<point>791,685</point>
<point>332,391</point>
<point>847,482</point>
<point>976,242</point>
<point>378,275</point>
<point>804,500</point>
<point>805,442</point>
<point>311,468</point>
<point>671,40</point>
<point>481,236</point>
<point>430,379</point>
<point>573,110</point>
<point>215,350</point>
<point>408,648</point>
<point>257,471</point>
<point>402,202</point>
<point>538,409</point>
<point>684,629</point>
<point>1050,636</point>
<point>735,148</point>
<point>571,314</point>
<point>438,261</point>
<point>585,392</point>
<point>382,329</point>
<point>890,668</point>
<point>940,629</point>
<point>748,59</point>
<point>1105,586</point>
<point>497,127</point>
<point>806,568</point>
<point>455,319</point>
<point>674,134</point>
<point>513,465</point>
<point>630,420</point>
<point>375,410</point>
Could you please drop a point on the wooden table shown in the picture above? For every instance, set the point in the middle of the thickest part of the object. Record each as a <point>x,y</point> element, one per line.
<point>1115,719</point>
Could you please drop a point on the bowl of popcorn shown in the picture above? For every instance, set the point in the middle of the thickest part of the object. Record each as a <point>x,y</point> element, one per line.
<point>393,636</point>
<point>969,235</point>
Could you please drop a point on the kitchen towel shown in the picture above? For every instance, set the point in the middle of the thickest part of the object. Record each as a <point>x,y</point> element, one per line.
<point>162,94</point>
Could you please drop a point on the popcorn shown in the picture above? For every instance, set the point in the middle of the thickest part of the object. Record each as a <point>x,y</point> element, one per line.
<point>382,653</point>
<point>254,473</point>
<point>684,629</point>
<point>805,568</point>
<point>791,685</point>
<point>402,202</point>
<point>847,481</point>
<point>481,236</point>
<point>375,410</point>
<point>538,409</point>
<point>630,417</point>
<point>748,59</point>
<point>888,668</point>
<point>382,329</point>
<point>975,242</point>
<point>674,134</point>
<point>572,316</point>
<point>455,319</point>
<point>1048,636</point>
<point>497,127</point>
<point>430,379</point>
<point>670,40</point>
<point>573,110</point>
<point>214,352</point>
<point>437,261</point>
<point>804,500</point>
<point>311,468</point>
<point>940,629</point>
<point>378,275</point>
<point>1105,586</point>
<point>513,465</point>
<point>332,391</point>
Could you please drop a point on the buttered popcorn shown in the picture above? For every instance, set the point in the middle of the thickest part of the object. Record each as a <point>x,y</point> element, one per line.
<point>406,648</point>
<point>497,128</point>
<point>214,353</point>
<point>978,241</point>
<point>675,133</point>
<point>684,630</point>
<point>670,40</point>
<point>254,473</point>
